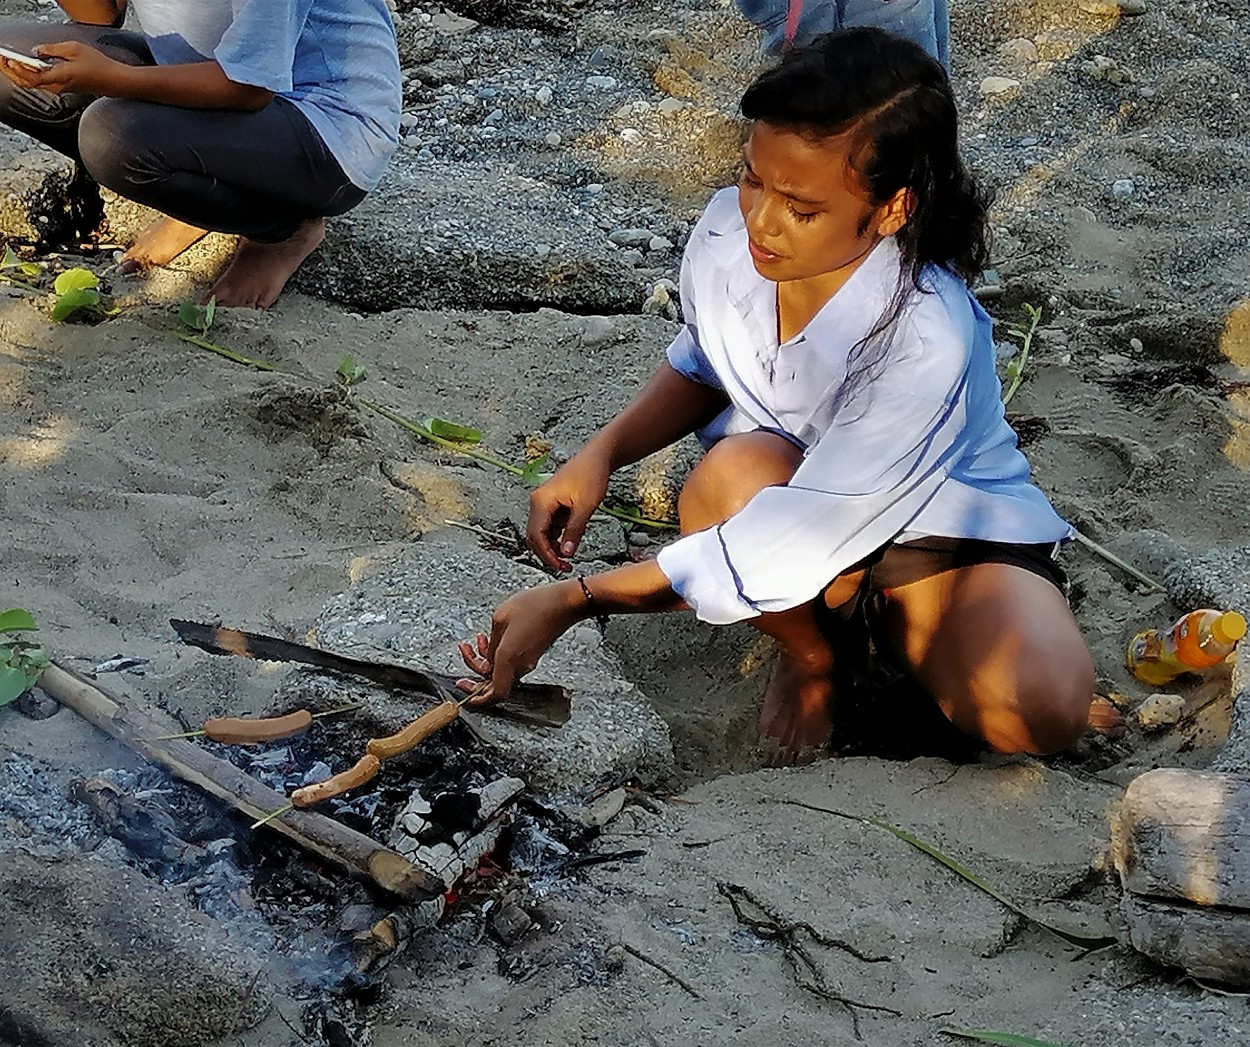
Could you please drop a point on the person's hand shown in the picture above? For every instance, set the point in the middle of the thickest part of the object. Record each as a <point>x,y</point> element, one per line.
<point>561,508</point>
<point>76,68</point>
<point>523,629</point>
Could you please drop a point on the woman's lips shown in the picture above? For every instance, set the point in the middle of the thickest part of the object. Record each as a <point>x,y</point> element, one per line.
<point>760,254</point>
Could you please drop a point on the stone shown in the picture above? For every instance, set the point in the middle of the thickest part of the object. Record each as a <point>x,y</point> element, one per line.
<point>1160,711</point>
<point>1123,188</point>
<point>1019,49</point>
<point>452,24</point>
<point>659,243</point>
<point>553,138</point>
<point>543,95</point>
<point>1133,8</point>
<point>631,237</point>
<point>992,86</point>
<point>604,83</point>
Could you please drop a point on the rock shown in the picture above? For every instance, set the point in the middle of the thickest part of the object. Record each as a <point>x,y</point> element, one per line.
<point>1160,711</point>
<point>1123,188</point>
<point>438,591</point>
<point>604,83</point>
<point>452,24</point>
<point>543,95</point>
<point>659,243</point>
<point>670,105</point>
<point>1181,847</point>
<point>1133,8</point>
<point>631,237</point>
<point>601,810</point>
<point>598,331</point>
<point>1019,49</point>
<point>992,86</point>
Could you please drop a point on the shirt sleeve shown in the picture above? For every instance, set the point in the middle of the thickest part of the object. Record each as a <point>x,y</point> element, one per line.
<point>874,469</point>
<point>259,46</point>
<point>685,354</point>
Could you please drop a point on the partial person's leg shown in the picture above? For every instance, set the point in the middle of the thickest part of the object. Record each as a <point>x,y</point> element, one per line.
<point>797,708</point>
<point>998,648</point>
<point>266,176</point>
<point>53,118</point>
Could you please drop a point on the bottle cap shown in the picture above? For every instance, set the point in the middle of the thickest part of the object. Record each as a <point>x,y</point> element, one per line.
<point>1228,627</point>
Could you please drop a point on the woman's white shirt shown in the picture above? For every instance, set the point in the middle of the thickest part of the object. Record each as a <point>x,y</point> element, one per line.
<point>920,448</point>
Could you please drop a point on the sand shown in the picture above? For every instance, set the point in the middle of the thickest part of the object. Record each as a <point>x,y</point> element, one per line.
<point>142,478</point>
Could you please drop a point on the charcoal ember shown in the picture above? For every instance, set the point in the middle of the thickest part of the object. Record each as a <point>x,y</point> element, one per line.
<point>509,922</point>
<point>144,827</point>
<point>36,705</point>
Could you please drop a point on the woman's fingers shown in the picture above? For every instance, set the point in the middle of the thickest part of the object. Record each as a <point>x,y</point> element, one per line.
<point>545,526</point>
<point>477,660</point>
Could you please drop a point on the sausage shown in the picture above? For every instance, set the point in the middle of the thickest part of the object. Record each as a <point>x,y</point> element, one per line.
<point>234,730</point>
<point>363,770</point>
<point>420,729</point>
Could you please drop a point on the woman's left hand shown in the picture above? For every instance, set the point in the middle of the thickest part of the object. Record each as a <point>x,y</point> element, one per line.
<point>523,629</point>
<point>76,68</point>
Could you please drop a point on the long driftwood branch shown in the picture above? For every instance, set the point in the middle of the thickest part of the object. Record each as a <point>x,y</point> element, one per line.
<point>125,720</point>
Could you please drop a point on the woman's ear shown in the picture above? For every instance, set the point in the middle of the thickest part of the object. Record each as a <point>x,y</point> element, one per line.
<point>895,213</point>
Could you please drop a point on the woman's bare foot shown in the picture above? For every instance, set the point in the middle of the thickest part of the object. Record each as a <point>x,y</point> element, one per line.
<point>258,272</point>
<point>159,244</point>
<point>798,707</point>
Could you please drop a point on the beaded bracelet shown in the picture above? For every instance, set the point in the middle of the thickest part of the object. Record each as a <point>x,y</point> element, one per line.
<point>596,610</point>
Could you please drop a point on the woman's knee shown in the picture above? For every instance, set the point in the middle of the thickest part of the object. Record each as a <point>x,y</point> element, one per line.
<point>114,147</point>
<point>733,472</point>
<point>1045,712</point>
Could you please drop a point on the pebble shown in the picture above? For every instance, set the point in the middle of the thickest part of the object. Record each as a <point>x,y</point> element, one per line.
<point>1133,7</point>
<point>1029,143</point>
<point>606,83</point>
<point>1020,49</point>
<point>659,243</point>
<point>409,122</point>
<point>1123,188</point>
<point>597,331</point>
<point>542,250</point>
<point>1136,345</point>
<point>670,105</point>
<point>496,116</point>
<point>998,85</point>
<point>543,95</point>
<point>1160,711</point>
<point>631,237</point>
<point>553,138</point>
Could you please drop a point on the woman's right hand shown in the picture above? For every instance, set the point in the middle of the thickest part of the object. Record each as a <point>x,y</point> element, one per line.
<point>561,508</point>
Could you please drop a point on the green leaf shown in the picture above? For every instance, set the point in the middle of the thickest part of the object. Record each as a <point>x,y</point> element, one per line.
<point>210,314</point>
<point>10,259</point>
<point>73,301</point>
<point>350,371</point>
<point>13,684</point>
<point>464,434</point>
<point>1006,1039</point>
<point>75,280</point>
<point>532,472</point>
<point>16,620</point>
<point>198,317</point>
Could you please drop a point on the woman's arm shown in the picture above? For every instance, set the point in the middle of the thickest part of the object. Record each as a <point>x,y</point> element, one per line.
<point>95,12</point>
<point>669,407</point>
<point>199,85</point>
<point>525,625</point>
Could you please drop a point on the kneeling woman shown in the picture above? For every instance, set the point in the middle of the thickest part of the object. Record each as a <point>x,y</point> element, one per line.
<point>254,117</point>
<point>844,376</point>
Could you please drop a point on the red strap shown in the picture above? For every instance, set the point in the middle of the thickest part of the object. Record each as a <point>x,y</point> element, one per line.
<point>794,11</point>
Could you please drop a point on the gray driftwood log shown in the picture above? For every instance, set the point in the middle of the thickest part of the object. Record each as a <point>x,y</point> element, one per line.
<point>1181,844</point>
<point>354,852</point>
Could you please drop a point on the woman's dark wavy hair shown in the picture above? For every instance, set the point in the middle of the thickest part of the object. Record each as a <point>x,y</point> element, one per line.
<point>894,103</point>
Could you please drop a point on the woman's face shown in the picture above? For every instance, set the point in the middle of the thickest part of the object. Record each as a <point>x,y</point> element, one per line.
<point>805,212</point>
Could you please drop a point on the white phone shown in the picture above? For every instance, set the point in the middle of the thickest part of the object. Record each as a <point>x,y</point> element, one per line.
<point>21,59</point>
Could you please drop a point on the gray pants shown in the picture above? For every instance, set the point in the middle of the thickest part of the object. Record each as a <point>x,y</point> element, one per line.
<point>257,174</point>
<point>926,22</point>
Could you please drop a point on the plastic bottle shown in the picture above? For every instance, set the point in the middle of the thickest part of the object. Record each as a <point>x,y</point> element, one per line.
<point>1197,641</point>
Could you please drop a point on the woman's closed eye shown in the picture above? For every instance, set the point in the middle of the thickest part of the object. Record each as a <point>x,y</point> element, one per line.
<point>802,216</point>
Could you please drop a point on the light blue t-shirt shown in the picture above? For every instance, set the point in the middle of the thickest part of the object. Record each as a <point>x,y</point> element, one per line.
<point>335,60</point>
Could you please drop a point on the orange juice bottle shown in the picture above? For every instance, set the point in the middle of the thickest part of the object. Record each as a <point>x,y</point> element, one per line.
<point>1198,641</point>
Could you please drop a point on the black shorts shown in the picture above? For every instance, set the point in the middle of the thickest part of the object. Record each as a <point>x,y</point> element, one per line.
<point>902,563</point>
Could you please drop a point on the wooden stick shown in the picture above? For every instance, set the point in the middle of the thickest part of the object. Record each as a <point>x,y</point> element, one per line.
<point>125,720</point>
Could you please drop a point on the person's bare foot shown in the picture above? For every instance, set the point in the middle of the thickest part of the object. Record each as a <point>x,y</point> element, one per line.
<point>159,244</point>
<point>1105,718</point>
<point>258,272</point>
<point>798,708</point>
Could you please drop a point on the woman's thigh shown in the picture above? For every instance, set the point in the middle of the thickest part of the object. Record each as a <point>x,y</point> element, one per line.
<point>999,650</point>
